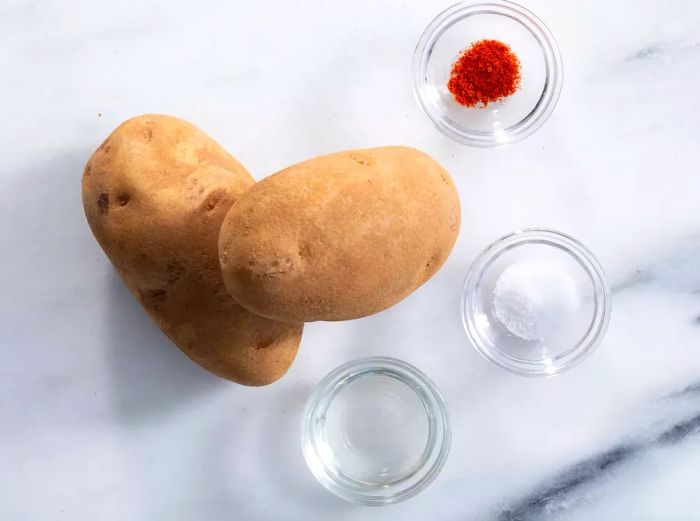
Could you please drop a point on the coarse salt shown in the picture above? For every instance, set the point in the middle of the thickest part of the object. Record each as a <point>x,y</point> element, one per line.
<point>535,300</point>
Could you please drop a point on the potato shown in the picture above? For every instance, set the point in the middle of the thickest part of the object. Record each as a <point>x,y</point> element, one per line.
<point>155,194</point>
<point>340,236</point>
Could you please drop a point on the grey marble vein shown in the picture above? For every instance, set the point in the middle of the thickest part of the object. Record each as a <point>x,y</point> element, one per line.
<point>674,266</point>
<point>655,51</point>
<point>638,278</point>
<point>594,469</point>
<point>688,390</point>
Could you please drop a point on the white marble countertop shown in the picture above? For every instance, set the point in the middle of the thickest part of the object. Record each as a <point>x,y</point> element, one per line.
<point>102,418</point>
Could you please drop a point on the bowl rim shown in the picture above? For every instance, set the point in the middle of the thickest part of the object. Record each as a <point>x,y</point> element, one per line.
<point>437,447</point>
<point>584,347</point>
<point>553,68</point>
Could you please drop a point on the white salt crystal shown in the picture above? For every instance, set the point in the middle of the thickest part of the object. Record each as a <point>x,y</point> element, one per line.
<point>534,300</point>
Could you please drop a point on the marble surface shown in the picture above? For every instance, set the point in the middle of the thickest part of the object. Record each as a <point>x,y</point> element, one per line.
<point>102,418</point>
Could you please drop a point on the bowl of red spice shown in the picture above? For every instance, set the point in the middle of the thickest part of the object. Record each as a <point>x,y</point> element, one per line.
<point>487,73</point>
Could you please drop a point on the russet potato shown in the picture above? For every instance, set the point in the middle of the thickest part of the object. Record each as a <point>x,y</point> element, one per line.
<point>155,194</point>
<point>339,236</point>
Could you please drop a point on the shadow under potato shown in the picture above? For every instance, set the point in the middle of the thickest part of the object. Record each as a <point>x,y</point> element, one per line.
<point>50,248</point>
<point>274,458</point>
<point>150,375</point>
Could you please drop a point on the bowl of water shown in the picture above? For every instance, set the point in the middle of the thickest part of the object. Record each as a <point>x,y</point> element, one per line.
<point>375,431</point>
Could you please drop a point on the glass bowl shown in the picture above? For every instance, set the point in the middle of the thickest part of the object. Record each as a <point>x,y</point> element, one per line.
<point>375,431</point>
<point>541,257</point>
<point>505,121</point>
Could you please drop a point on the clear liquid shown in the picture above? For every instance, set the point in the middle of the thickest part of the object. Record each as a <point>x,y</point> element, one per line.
<point>376,430</point>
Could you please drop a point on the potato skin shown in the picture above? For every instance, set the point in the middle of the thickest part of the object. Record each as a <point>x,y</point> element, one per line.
<point>155,194</point>
<point>340,236</point>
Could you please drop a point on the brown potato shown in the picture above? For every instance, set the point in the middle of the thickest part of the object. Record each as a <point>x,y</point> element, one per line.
<point>155,194</point>
<point>340,236</point>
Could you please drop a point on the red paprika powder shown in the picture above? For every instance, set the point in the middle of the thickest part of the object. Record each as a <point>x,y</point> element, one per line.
<point>487,71</point>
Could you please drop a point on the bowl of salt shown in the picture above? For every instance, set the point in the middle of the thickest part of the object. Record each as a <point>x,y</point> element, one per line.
<point>536,302</point>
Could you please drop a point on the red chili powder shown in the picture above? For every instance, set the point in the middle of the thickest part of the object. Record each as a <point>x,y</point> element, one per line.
<point>487,71</point>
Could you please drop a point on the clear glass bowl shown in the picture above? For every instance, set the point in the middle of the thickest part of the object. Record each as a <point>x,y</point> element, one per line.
<point>502,122</point>
<point>375,431</point>
<point>580,332</point>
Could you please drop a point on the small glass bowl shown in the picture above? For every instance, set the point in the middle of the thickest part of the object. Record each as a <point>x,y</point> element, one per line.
<point>580,333</point>
<point>375,431</point>
<point>505,121</point>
